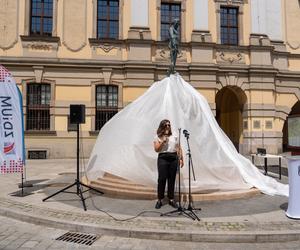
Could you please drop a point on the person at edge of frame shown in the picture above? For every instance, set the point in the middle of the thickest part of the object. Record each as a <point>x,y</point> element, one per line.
<point>169,153</point>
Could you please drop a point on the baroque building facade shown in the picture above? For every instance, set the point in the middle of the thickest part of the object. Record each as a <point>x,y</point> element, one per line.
<point>242,55</point>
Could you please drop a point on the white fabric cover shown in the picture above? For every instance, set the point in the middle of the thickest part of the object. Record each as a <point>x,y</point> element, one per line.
<point>124,146</point>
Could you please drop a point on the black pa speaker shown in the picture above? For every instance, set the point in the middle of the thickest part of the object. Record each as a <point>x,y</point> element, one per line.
<point>77,113</point>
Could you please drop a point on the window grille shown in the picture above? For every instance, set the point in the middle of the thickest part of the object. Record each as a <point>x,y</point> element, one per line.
<point>37,154</point>
<point>108,19</point>
<point>169,12</point>
<point>106,104</point>
<point>38,107</point>
<point>229,26</point>
<point>41,17</point>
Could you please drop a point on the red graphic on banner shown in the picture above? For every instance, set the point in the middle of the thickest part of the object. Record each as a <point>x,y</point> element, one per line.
<point>3,73</point>
<point>9,148</point>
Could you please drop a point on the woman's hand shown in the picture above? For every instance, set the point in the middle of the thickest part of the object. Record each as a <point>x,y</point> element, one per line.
<point>181,163</point>
<point>165,139</point>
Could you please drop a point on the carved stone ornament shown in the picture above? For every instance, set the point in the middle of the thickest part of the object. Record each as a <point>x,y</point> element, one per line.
<point>40,46</point>
<point>230,2</point>
<point>293,45</point>
<point>229,57</point>
<point>106,47</point>
<point>165,54</point>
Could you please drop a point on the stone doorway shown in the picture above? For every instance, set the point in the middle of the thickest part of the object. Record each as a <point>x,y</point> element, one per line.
<point>230,102</point>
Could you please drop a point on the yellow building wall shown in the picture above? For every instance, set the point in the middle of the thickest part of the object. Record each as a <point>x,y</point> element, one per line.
<point>286,99</point>
<point>259,96</point>
<point>153,19</point>
<point>294,64</point>
<point>189,21</point>
<point>126,18</point>
<point>87,125</point>
<point>209,94</point>
<point>61,123</point>
<point>246,24</point>
<point>132,93</point>
<point>212,20</point>
<point>291,22</point>
<point>74,93</point>
<point>278,124</point>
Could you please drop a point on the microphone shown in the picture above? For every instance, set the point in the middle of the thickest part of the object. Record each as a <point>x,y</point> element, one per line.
<point>185,131</point>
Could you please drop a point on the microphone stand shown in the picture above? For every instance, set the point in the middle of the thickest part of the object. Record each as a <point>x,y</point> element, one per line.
<point>180,210</point>
<point>190,204</point>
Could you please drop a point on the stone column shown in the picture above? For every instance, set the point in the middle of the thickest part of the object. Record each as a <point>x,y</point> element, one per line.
<point>266,18</point>
<point>274,19</point>
<point>139,28</point>
<point>201,51</point>
<point>201,31</point>
<point>258,17</point>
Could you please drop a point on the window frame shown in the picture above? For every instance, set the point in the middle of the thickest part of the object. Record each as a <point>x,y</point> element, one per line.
<point>238,4</point>
<point>229,27</point>
<point>42,18</point>
<point>170,11</point>
<point>107,20</point>
<point>182,18</point>
<point>108,110</point>
<point>40,108</point>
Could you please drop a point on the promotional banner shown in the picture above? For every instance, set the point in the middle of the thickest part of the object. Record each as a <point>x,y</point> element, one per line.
<point>12,153</point>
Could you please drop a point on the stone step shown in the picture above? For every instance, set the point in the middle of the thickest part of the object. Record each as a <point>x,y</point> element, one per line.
<point>118,180</point>
<point>121,188</point>
<point>118,192</point>
<point>106,184</point>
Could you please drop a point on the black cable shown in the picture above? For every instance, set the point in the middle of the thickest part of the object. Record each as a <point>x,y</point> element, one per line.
<point>83,167</point>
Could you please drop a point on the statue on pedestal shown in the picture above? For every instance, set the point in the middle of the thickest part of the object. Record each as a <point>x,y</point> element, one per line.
<point>173,45</point>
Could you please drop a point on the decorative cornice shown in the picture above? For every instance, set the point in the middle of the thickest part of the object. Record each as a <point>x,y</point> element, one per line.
<point>48,39</point>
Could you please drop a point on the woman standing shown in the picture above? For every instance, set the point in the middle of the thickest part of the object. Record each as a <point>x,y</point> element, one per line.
<point>166,144</point>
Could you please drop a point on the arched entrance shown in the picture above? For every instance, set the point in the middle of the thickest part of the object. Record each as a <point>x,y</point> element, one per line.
<point>295,111</point>
<point>230,102</point>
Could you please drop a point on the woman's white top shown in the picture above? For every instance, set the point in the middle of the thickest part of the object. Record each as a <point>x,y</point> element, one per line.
<point>170,146</point>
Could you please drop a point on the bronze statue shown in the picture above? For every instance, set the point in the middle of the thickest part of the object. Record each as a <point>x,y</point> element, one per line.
<point>173,44</point>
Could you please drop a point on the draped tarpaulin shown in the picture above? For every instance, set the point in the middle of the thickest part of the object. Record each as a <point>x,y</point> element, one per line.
<point>124,146</point>
<point>11,125</point>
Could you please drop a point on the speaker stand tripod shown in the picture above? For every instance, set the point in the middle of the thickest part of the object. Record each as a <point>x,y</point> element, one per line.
<point>79,185</point>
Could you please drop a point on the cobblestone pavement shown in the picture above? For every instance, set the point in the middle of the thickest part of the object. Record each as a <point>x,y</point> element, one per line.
<point>23,236</point>
<point>152,224</point>
<point>257,219</point>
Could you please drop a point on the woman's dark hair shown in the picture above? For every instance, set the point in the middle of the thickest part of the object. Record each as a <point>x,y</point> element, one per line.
<point>161,128</point>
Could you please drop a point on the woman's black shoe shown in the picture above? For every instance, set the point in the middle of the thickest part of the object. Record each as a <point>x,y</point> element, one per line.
<point>158,205</point>
<point>173,203</point>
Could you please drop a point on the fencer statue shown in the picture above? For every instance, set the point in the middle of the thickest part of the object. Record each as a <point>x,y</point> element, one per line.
<point>173,45</point>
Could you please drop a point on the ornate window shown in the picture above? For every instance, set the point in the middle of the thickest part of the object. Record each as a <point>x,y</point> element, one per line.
<point>169,12</point>
<point>106,104</point>
<point>229,25</point>
<point>108,19</point>
<point>38,106</point>
<point>41,17</point>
